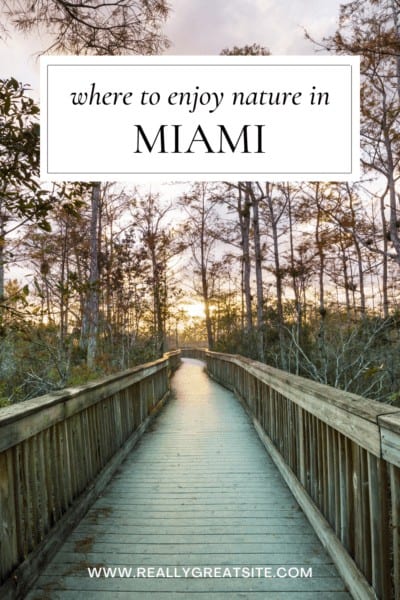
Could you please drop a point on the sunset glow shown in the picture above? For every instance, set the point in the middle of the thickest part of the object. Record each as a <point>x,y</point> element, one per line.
<point>194,310</point>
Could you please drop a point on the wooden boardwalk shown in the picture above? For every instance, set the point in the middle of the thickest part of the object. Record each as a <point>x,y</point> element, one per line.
<point>198,491</point>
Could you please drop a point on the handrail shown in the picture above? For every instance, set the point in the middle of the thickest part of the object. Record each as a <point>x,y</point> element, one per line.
<point>340,454</point>
<point>57,452</point>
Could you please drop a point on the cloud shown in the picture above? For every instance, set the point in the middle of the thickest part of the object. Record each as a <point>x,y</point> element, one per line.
<point>207,26</point>
<point>18,58</point>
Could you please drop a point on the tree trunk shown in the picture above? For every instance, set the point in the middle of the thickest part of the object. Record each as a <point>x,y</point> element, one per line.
<point>244,219</point>
<point>295,285</point>
<point>259,280</point>
<point>385,297</point>
<point>393,223</point>
<point>158,311</point>
<point>92,305</point>
<point>359,254</point>
<point>321,254</point>
<point>278,274</point>
<point>346,278</point>
<point>319,242</point>
<point>2,258</point>
<point>397,34</point>
<point>204,280</point>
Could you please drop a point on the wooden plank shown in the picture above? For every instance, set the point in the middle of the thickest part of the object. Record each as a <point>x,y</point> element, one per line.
<point>87,443</point>
<point>142,595</point>
<point>8,545</point>
<point>365,510</point>
<point>26,517</point>
<point>65,481</point>
<point>184,527</point>
<point>390,438</point>
<point>18,501</point>
<point>347,519</point>
<point>186,585</point>
<point>395,514</point>
<point>357,506</point>
<point>50,480</point>
<point>73,475</point>
<point>44,489</point>
<point>307,450</point>
<point>318,560</point>
<point>335,443</point>
<point>379,525</point>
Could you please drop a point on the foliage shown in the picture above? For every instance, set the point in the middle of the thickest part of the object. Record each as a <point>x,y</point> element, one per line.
<point>358,356</point>
<point>20,191</point>
<point>247,50</point>
<point>94,26</point>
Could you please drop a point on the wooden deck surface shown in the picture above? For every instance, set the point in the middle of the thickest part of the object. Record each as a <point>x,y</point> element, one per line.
<point>199,490</point>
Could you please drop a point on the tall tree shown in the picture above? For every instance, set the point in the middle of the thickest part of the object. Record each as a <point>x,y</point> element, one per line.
<point>258,258</point>
<point>251,200</point>
<point>244,212</point>
<point>150,218</point>
<point>201,233</point>
<point>370,28</point>
<point>91,315</point>
<point>21,197</point>
<point>275,206</point>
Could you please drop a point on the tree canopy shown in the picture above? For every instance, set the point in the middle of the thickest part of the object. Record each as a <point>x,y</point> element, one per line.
<point>20,191</point>
<point>94,26</point>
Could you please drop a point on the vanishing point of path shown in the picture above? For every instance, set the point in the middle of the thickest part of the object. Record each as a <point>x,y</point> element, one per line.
<point>199,490</point>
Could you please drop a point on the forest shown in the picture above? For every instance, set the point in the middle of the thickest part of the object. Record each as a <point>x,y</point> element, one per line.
<point>96,278</point>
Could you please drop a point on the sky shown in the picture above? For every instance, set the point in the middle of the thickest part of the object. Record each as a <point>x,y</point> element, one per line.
<point>206,27</point>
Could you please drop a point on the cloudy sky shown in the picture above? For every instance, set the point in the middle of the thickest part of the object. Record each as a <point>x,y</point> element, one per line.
<point>205,27</point>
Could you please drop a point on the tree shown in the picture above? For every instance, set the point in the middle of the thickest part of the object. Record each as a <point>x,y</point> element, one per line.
<point>201,234</point>
<point>275,206</point>
<point>100,27</point>
<point>371,28</point>
<point>247,50</point>
<point>92,302</point>
<point>244,214</point>
<point>157,240</point>
<point>94,26</point>
<point>21,196</point>
<point>258,256</point>
<point>251,200</point>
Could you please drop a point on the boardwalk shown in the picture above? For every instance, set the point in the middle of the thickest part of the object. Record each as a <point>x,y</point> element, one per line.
<point>199,490</point>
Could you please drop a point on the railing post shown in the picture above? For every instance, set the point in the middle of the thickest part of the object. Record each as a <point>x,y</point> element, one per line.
<point>390,443</point>
<point>301,446</point>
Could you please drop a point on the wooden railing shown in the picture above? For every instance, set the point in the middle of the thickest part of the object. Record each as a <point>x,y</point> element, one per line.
<point>340,455</point>
<point>57,453</point>
<point>192,352</point>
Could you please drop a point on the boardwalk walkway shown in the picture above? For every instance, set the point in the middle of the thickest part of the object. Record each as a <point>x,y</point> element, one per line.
<point>199,490</point>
